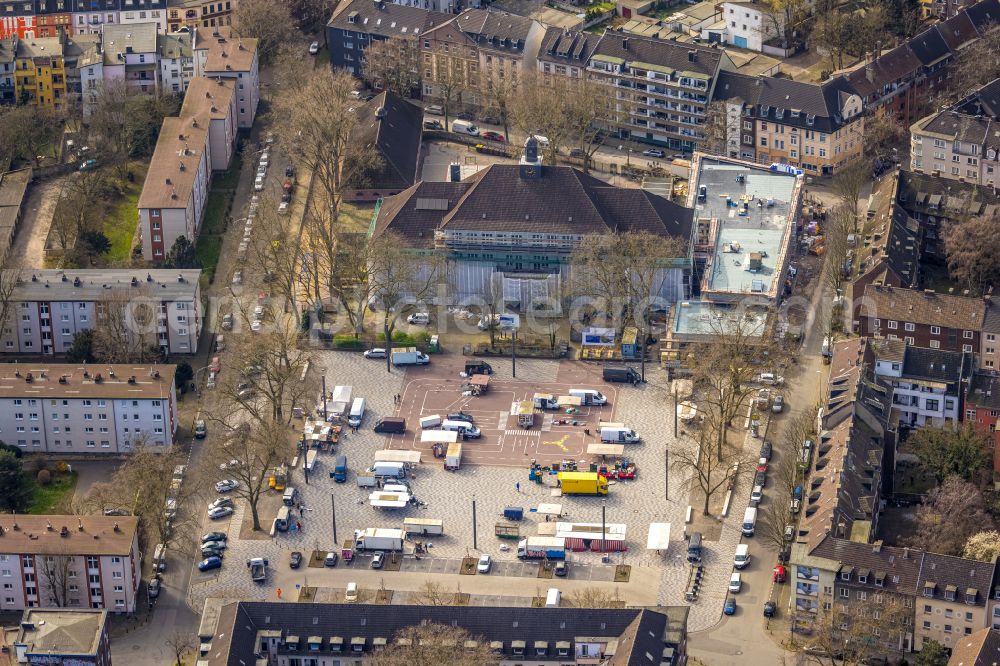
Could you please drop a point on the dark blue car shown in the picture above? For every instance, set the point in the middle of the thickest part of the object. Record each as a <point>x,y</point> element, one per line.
<point>730,607</point>
<point>210,563</point>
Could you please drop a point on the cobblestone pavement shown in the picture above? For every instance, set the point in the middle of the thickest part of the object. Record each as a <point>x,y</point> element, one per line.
<point>449,495</point>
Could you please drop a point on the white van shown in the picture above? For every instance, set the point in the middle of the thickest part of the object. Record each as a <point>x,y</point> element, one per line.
<point>464,127</point>
<point>742,558</point>
<point>735,582</point>
<point>284,516</point>
<point>470,431</point>
<point>552,598</point>
<point>160,558</point>
<point>589,396</point>
<point>357,413</point>
<point>290,497</point>
<point>749,521</point>
<point>434,110</point>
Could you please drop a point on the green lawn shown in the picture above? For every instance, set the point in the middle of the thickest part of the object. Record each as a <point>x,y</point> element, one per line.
<point>53,498</point>
<point>122,219</point>
<point>356,217</point>
<point>215,212</point>
<point>230,178</point>
<point>208,250</point>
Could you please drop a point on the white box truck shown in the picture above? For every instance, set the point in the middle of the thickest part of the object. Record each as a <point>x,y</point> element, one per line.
<point>395,470</point>
<point>453,460</point>
<point>409,356</point>
<point>432,421</point>
<point>589,396</point>
<point>378,539</point>
<point>619,435</point>
<point>423,526</point>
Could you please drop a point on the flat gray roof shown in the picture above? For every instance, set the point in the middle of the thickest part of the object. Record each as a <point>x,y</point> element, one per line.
<point>94,285</point>
<point>697,318</point>
<point>751,206</point>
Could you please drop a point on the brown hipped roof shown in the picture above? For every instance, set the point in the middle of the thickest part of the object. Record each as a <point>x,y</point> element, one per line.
<point>84,535</point>
<point>226,51</point>
<point>918,307</point>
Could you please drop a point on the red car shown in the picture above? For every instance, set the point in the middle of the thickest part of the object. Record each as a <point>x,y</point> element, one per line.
<point>492,136</point>
<point>779,574</point>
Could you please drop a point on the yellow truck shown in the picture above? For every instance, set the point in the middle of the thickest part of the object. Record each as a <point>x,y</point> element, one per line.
<point>583,483</point>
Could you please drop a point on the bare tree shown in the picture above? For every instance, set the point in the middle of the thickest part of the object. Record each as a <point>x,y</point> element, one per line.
<point>312,14</point>
<point>500,91</point>
<point>125,328</point>
<point>772,518</point>
<point>493,304</point>
<point>725,366</point>
<point>55,570</point>
<point>952,512</point>
<point>832,32</point>
<point>144,485</point>
<point>854,634</point>
<point>594,597</point>
<point>848,184</point>
<point>839,224</point>
<point>401,279</point>
<point>449,84</point>
<point>320,119</point>
<point>540,108</point>
<point>970,246</point>
<point>10,278</point>
<point>269,384</point>
<point>270,23</point>
<point>975,65</point>
<point>716,129</point>
<point>248,452</point>
<point>588,113</point>
<point>273,253</point>
<point>431,593</point>
<point>712,469</point>
<point>25,131</point>
<point>339,270</point>
<point>125,121</point>
<point>180,643</point>
<point>435,644</point>
<point>393,64</point>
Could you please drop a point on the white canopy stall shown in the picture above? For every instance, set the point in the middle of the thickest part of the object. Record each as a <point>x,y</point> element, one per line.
<point>659,537</point>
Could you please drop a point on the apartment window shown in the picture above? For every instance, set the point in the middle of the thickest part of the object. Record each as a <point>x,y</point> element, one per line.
<point>935,344</point>
<point>908,340</point>
<point>891,324</point>
<point>967,335</point>
<point>844,594</point>
<point>935,330</point>
<point>909,327</point>
<point>947,628</point>
<point>967,348</point>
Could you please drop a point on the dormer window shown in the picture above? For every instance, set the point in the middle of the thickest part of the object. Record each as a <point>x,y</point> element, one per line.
<point>292,643</point>
<point>949,593</point>
<point>517,648</point>
<point>970,595</point>
<point>862,578</point>
<point>929,588</point>
<point>880,579</point>
<point>845,575</point>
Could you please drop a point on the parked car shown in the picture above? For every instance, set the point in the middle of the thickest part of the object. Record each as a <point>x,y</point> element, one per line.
<point>289,171</point>
<point>221,502</point>
<point>295,559</point>
<point>779,404</point>
<point>485,564</point>
<point>378,560</point>
<point>227,321</point>
<point>760,479</point>
<point>492,136</point>
<point>376,352</point>
<point>561,569</point>
<point>210,563</point>
<point>214,536</point>
<point>794,505</point>
<point>258,184</point>
<point>226,485</point>
<point>88,165</point>
<point>653,152</point>
<point>212,552</point>
<point>232,464</point>
<point>460,416</point>
<point>730,607</point>
<point>419,318</point>
<point>756,495</point>
<point>433,125</point>
<point>237,278</point>
<point>200,429</point>
<point>778,574</point>
<point>256,325</point>
<point>331,559</point>
<point>283,208</point>
<point>735,582</point>
<point>220,512</point>
<point>762,465</point>
<point>465,115</point>
<point>765,450</point>
<point>577,152</point>
<point>351,593</point>
<point>153,589</point>
<point>770,608</point>
<point>314,48</point>
<point>789,532</point>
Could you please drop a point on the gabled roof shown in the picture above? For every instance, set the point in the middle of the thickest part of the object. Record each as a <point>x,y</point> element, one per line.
<point>901,566</point>
<point>409,214</point>
<point>495,30</point>
<point>815,107</point>
<point>395,134</point>
<point>985,101</point>
<point>674,55</point>
<point>899,63</point>
<point>931,309</point>
<point>637,632</point>
<point>984,14</point>
<point>984,390</point>
<point>958,575</point>
<point>385,19</point>
<point>929,46</point>
<point>958,30</point>
<point>980,649</point>
<point>560,44</point>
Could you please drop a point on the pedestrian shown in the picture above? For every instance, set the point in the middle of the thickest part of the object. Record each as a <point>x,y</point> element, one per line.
<point>279,592</point>
<point>298,526</point>
<point>586,431</point>
<point>518,486</point>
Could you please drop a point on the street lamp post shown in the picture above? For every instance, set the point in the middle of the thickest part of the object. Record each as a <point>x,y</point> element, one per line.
<point>333,508</point>
<point>604,527</point>
<point>474,535</point>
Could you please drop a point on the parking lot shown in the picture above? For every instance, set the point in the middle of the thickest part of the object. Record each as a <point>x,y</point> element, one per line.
<point>657,494</point>
<point>553,437</point>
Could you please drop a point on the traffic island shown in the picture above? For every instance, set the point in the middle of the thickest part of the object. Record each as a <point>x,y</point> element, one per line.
<point>622,573</point>
<point>393,563</point>
<point>317,559</point>
<point>545,570</point>
<point>468,566</point>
